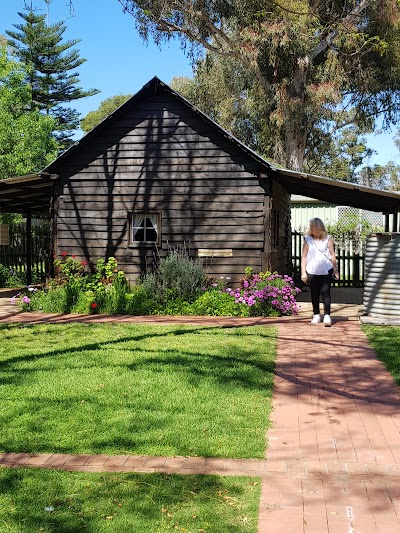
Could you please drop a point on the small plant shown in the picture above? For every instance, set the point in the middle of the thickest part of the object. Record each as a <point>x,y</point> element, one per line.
<point>24,298</point>
<point>177,276</point>
<point>9,277</point>
<point>79,290</point>
<point>266,294</point>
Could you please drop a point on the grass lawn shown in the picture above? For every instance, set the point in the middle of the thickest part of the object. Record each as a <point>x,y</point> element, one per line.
<point>386,342</point>
<point>136,389</point>
<point>33,501</point>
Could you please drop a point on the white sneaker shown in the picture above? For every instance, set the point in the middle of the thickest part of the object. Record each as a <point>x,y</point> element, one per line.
<point>327,321</point>
<point>316,319</point>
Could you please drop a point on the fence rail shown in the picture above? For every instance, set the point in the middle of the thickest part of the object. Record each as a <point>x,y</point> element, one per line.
<point>350,264</point>
<point>14,255</point>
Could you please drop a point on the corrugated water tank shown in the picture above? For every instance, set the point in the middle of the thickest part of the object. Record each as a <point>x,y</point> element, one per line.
<point>382,275</point>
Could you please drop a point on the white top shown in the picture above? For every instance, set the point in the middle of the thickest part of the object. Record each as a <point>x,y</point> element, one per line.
<point>319,260</point>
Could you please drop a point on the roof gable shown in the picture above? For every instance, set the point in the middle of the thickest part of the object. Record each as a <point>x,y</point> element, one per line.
<point>325,189</point>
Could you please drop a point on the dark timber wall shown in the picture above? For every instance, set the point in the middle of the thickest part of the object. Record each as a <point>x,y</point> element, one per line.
<point>161,156</point>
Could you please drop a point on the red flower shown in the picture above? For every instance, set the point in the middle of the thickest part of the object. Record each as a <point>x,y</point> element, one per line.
<point>93,305</point>
<point>64,254</point>
<point>83,263</point>
<point>73,256</point>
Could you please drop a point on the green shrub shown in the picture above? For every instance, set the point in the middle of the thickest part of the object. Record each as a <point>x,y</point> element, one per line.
<point>139,302</point>
<point>50,300</point>
<point>178,276</point>
<point>217,303</point>
<point>11,278</point>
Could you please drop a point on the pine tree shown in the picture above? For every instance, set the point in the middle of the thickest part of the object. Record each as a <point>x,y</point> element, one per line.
<point>51,70</point>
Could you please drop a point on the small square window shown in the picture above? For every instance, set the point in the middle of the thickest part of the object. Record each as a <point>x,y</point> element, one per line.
<point>144,228</point>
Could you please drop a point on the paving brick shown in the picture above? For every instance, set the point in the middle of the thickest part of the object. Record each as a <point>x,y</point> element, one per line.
<point>77,459</point>
<point>39,460</point>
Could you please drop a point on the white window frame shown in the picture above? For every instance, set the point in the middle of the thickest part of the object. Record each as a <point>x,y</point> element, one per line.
<point>135,222</point>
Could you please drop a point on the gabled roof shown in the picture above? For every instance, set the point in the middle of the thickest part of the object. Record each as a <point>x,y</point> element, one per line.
<point>34,192</point>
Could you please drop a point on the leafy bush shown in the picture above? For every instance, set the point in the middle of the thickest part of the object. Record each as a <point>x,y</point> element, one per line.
<point>177,276</point>
<point>350,234</point>
<point>266,294</point>
<point>11,278</point>
<point>139,302</point>
<point>79,290</point>
<point>217,303</point>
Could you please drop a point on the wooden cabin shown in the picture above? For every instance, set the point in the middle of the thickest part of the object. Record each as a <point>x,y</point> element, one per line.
<point>157,175</point>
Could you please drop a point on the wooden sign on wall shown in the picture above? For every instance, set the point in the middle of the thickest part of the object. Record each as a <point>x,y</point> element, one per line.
<point>203,252</point>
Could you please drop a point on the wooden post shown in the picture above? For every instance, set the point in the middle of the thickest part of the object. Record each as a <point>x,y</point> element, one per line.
<point>387,223</point>
<point>394,222</point>
<point>28,247</point>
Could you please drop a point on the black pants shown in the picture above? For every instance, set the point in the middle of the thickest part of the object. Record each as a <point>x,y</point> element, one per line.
<point>320,285</point>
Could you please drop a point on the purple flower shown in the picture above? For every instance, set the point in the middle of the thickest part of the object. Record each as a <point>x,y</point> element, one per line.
<point>26,300</point>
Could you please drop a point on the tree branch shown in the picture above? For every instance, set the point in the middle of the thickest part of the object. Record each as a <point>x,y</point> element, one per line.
<point>327,42</point>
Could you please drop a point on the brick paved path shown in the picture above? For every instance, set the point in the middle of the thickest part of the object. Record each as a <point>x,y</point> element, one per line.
<point>334,444</point>
<point>333,459</point>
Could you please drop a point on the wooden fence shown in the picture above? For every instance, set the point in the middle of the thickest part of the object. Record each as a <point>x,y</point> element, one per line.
<point>14,254</point>
<point>350,265</point>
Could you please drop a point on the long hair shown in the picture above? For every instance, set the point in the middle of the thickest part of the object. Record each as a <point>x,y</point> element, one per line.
<point>321,232</point>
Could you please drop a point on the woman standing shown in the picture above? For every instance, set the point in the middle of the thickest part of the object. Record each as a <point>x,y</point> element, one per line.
<point>318,265</point>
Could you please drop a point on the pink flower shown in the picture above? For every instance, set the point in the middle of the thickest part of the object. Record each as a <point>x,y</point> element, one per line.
<point>64,254</point>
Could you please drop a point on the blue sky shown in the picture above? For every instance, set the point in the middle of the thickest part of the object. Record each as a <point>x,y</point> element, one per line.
<point>118,62</point>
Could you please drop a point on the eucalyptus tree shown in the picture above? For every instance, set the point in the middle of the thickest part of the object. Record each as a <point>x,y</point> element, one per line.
<point>51,64</point>
<point>106,108</point>
<point>312,59</point>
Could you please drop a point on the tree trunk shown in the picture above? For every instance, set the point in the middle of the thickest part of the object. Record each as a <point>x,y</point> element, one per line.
<point>295,144</point>
<point>295,131</point>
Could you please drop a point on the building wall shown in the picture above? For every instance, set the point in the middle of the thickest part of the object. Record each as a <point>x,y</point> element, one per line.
<point>162,157</point>
<point>302,212</point>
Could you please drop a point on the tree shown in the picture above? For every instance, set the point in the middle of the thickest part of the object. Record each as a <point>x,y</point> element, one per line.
<point>106,108</point>
<point>229,96</point>
<point>310,58</point>
<point>338,156</point>
<point>51,64</point>
<point>26,143</point>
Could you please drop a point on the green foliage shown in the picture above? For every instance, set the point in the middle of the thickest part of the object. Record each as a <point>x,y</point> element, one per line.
<point>381,176</point>
<point>80,290</point>
<point>350,233</point>
<point>337,155</point>
<point>310,62</point>
<point>26,144</point>
<point>10,277</point>
<point>51,71</point>
<point>218,303</point>
<point>106,108</point>
<point>178,287</point>
<point>177,276</point>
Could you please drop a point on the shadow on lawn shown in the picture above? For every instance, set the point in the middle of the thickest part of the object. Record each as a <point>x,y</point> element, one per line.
<point>73,501</point>
<point>123,395</point>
